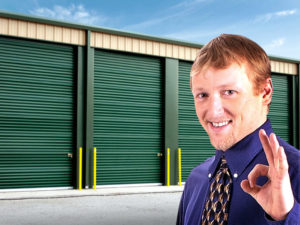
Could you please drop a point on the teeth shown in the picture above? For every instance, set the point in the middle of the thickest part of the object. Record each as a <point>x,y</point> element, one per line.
<point>220,124</point>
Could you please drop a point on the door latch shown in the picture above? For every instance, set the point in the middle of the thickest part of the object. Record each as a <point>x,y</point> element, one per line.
<point>159,154</point>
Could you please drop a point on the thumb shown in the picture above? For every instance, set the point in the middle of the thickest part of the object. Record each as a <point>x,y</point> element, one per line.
<point>245,185</point>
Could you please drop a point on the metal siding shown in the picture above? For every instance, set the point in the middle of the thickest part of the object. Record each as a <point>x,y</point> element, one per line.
<point>26,29</point>
<point>128,130</point>
<point>36,116</point>
<point>193,139</point>
<point>280,110</point>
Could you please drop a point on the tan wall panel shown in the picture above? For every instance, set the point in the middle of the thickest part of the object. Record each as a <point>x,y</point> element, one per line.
<point>22,29</point>
<point>114,42</point>
<point>25,29</point>
<point>106,41</point>
<point>4,26</point>
<point>155,48</point>
<point>66,35</point>
<point>284,67</point>
<point>181,52</point>
<point>82,37</point>
<point>162,49</point>
<point>293,69</point>
<point>98,39</point>
<point>58,34</point>
<point>187,53</point>
<point>93,38</point>
<point>31,30</point>
<point>128,44</point>
<point>175,51</point>
<point>169,50</point>
<point>143,46</point>
<point>12,27</point>
<point>40,31</point>
<point>149,47</point>
<point>49,33</point>
<point>74,36</point>
<point>136,45</point>
<point>121,43</point>
<point>194,53</point>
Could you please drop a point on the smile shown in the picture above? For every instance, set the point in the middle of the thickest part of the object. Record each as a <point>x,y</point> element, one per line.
<point>221,124</point>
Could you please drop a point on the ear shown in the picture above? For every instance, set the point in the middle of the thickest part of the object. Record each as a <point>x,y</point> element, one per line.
<point>267,91</point>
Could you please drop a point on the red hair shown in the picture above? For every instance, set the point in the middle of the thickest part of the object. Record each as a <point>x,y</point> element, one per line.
<point>226,49</point>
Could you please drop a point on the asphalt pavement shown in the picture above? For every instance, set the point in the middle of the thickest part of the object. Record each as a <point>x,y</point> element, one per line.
<point>110,206</point>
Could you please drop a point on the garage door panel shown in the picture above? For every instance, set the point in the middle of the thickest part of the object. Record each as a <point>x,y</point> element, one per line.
<point>280,108</point>
<point>37,114</point>
<point>128,130</point>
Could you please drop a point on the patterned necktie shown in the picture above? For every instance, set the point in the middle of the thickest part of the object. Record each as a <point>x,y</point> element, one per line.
<point>217,204</point>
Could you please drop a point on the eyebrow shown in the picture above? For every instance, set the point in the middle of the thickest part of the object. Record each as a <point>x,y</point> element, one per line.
<point>228,85</point>
<point>221,86</point>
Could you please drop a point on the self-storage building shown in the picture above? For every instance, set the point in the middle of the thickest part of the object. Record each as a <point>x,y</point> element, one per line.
<point>82,106</point>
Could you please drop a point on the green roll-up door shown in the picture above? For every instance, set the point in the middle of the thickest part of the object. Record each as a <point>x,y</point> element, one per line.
<point>279,114</point>
<point>128,130</point>
<point>36,114</point>
<point>193,140</point>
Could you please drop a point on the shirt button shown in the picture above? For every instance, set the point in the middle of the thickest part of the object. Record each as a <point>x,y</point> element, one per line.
<point>235,175</point>
<point>209,175</point>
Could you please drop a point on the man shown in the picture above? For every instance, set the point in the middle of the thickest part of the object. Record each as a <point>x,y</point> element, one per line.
<point>254,178</point>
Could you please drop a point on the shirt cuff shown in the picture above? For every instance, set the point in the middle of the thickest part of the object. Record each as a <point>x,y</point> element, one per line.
<point>293,217</point>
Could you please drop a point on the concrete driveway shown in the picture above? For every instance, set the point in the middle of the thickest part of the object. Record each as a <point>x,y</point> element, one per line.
<point>90,208</point>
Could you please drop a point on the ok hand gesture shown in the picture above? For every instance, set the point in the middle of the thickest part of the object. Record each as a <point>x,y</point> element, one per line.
<point>276,196</point>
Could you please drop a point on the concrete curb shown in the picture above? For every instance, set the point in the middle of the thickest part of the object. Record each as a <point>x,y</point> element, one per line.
<point>102,191</point>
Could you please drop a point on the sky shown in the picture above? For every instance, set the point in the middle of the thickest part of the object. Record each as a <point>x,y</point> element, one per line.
<point>273,24</point>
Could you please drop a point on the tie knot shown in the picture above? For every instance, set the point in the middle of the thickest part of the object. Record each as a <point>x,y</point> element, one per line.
<point>223,163</point>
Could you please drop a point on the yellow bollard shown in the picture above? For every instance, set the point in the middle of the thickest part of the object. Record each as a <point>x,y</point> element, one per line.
<point>168,167</point>
<point>80,169</point>
<point>179,166</point>
<point>95,168</point>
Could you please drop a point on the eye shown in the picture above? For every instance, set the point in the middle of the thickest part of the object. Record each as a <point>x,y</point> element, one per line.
<point>229,92</point>
<point>201,95</point>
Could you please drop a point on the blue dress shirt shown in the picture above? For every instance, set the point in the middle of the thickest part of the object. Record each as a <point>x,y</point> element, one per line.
<point>241,159</point>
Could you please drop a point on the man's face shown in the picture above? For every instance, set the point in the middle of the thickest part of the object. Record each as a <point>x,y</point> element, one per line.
<point>226,105</point>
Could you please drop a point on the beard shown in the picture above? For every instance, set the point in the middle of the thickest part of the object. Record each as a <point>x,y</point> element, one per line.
<point>223,144</point>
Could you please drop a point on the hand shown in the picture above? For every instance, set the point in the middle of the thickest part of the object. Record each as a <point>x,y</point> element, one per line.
<point>275,196</point>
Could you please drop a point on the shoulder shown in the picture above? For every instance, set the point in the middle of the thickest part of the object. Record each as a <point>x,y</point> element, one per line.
<point>200,171</point>
<point>197,180</point>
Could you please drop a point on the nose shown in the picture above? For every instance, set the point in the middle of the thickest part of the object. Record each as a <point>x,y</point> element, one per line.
<point>215,107</point>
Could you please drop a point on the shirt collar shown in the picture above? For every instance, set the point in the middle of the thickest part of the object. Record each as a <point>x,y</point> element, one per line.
<point>241,154</point>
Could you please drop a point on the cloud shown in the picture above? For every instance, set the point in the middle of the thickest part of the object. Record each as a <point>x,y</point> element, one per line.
<point>267,17</point>
<point>74,13</point>
<point>179,10</point>
<point>276,43</point>
<point>148,23</point>
<point>188,3</point>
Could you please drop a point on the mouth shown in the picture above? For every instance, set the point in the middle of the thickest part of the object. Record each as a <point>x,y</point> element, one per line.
<point>220,124</point>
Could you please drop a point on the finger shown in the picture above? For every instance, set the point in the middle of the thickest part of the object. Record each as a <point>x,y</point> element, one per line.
<point>283,165</point>
<point>251,191</point>
<point>275,146</point>
<point>266,146</point>
<point>258,171</point>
